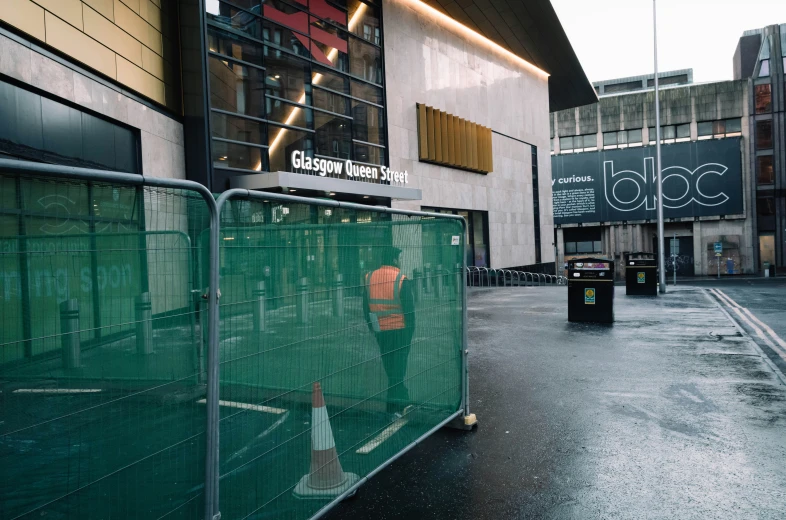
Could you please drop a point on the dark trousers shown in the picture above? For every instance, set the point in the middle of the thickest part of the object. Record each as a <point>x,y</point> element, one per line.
<point>394,346</point>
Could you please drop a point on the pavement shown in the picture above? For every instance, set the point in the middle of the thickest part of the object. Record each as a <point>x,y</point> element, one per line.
<point>674,411</point>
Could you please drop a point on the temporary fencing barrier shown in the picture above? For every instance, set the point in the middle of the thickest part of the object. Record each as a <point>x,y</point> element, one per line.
<point>167,354</point>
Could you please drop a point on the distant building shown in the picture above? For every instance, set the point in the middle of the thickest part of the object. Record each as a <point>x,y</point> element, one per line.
<point>724,160</point>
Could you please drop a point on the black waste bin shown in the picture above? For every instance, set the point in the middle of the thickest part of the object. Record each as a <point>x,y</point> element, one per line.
<point>591,290</point>
<point>641,274</point>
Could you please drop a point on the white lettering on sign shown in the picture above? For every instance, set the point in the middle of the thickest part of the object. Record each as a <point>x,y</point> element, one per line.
<point>334,167</point>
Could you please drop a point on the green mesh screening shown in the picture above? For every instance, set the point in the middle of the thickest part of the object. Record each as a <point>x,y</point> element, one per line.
<point>310,325</point>
<point>95,423</point>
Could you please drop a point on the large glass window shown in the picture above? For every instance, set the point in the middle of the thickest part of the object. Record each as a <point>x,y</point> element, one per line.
<point>765,173</point>
<point>764,134</point>
<point>763,98</point>
<point>271,61</point>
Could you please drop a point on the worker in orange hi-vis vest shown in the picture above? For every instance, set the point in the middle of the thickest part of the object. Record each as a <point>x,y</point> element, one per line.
<point>390,314</point>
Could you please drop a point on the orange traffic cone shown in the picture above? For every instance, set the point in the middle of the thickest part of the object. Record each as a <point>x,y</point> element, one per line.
<point>326,478</point>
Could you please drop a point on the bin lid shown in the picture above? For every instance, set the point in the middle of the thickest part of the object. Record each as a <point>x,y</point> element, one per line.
<point>591,264</point>
<point>641,255</point>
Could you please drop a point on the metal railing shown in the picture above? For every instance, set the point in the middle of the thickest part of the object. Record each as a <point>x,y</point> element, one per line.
<point>177,365</point>
<point>489,277</point>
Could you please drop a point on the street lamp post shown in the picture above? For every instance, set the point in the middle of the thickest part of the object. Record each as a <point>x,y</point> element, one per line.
<point>661,260</point>
<point>674,256</point>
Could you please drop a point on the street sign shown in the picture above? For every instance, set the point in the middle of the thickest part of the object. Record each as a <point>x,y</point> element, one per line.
<point>718,248</point>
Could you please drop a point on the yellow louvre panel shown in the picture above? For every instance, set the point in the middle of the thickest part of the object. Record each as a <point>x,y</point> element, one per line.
<point>481,148</point>
<point>464,142</point>
<point>473,134</point>
<point>459,142</point>
<point>105,7</point>
<point>79,46</point>
<point>456,141</point>
<point>451,140</point>
<point>422,132</point>
<point>443,119</point>
<point>430,132</point>
<point>491,151</point>
<point>67,10</point>
<point>139,80</point>
<point>438,135</point>
<point>25,16</point>
<point>110,35</point>
<point>486,149</point>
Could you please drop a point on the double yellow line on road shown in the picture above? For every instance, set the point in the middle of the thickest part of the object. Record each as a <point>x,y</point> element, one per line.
<point>773,341</point>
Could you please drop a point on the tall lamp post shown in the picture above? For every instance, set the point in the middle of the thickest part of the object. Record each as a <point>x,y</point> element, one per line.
<point>661,260</point>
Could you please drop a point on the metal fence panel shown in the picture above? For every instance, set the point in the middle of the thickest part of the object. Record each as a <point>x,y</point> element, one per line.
<point>101,351</point>
<point>293,278</point>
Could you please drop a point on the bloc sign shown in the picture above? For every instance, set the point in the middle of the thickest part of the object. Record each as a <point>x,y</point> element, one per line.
<point>640,277</point>
<point>589,296</point>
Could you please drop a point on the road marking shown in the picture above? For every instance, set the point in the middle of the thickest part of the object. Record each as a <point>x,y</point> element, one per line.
<point>738,310</point>
<point>757,320</point>
<point>246,406</point>
<point>57,391</point>
<point>382,437</point>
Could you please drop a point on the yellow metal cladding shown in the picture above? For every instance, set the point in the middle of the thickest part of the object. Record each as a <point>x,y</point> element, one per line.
<point>452,141</point>
<point>121,39</point>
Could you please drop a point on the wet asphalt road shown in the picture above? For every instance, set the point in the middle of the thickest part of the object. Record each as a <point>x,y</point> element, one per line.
<point>669,413</point>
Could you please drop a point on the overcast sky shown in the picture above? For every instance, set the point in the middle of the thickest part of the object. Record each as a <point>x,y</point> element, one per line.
<point>613,38</point>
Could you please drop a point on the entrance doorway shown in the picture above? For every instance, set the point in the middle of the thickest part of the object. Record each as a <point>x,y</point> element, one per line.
<point>683,249</point>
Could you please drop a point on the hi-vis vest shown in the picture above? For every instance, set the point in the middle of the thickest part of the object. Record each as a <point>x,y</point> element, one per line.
<point>384,297</point>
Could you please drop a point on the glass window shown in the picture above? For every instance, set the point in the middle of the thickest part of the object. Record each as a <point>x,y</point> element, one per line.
<point>330,101</point>
<point>283,141</point>
<point>331,80</point>
<point>230,44</point>
<point>287,15</point>
<point>584,247</point>
<point>235,87</point>
<point>284,38</point>
<point>570,247</point>
<point>288,78</point>
<point>609,138</point>
<point>369,154</point>
<point>683,131</point>
<point>364,21</point>
<point>366,60</point>
<point>764,71</point>
<point>733,125</point>
<point>333,135</point>
<point>231,17</point>
<point>237,128</point>
<point>763,98</point>
<point>622,137</point>
<point>765,206</point>
<point>368,92</point>
<point>566,143</point>
<point>705,128</point>
<point>231,155</point>
<point>326,11</point>
<point>634,136</point>
<point>719,128</point>
<point>596,246</point>
<point>763,134</point>
<point>668,132</point>
<point>765,173</point>
<point>368,123</point>
<point>281,112</point>
<point>329,45</point>
<point>590,140</point>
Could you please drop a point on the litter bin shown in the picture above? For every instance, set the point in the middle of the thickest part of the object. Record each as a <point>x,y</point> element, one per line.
<point>591,290</point>
<point>641,274</point>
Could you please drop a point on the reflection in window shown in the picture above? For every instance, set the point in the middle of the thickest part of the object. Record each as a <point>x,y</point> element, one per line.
<point>764,71</point>
<point>368,92</point>
<point>763,98</point>
<point>764,134</point>
<point>330,101</point>
<point>368,123</point>
<point>366,60</point>
<point>229,44</point>
<point>288,77</point>
<point>284,38</point>
<point>365,21</point>
<point>229,16</point>
<point>765,173</point>
<point>280,112</point>
<point>765,206</point>
<point>284,141</point>
<point>369,154</point>
<point>237,128</point>
<point>232,155</point>
<point>333,135</point>
<point>235,87</point>
<point>683,131</point>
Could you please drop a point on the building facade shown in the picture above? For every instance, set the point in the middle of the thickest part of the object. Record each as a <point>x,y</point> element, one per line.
<point>311,97</point>
<point>604,177</point>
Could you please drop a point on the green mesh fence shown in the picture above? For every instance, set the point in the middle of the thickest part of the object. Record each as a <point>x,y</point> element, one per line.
<point>101,351</point>
<point>293,313</point>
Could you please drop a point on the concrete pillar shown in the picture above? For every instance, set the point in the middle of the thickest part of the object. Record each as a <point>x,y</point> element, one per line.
<point>69,330</point>
<point>143,310</point>
<point>302,301</point>
<point>258,298</point>
<point>699,254</point>
<point>338,296</point>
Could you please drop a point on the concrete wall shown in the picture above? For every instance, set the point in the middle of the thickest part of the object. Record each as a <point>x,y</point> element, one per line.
<point>430,59</point>
<point>161,136</point>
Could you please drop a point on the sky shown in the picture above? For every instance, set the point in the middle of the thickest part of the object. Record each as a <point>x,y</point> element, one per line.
<point>613,38</point>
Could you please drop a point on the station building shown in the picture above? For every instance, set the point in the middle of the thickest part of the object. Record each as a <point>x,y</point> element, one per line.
<point>402,103</point>
<point>723,167</point>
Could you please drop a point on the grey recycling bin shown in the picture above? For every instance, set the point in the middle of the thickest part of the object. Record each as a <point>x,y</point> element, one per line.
<point>591,290</point>
<point>641,274</point>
